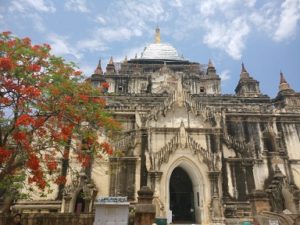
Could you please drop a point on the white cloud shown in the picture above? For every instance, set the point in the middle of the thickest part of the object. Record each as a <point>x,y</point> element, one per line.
<point>131,53</point>
<point>77,6</point>
<point>37,22</point>
<point>27,5</point>
<point>92,44</point>
<point>227,36</point>
<point>100,19</point>
<point>224,75</point>
<point>61,47</point>
<point>289,17</point>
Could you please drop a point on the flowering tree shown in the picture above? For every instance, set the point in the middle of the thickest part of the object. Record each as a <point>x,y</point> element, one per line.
<point>46,111</point>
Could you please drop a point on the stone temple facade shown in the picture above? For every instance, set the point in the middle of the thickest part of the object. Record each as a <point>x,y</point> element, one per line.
<point>209,157</point>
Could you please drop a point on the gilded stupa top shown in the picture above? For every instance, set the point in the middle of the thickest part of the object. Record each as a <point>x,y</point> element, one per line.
<point>160,50</point>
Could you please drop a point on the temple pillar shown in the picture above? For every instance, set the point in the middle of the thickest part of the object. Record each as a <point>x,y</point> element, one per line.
<point>145,210</point>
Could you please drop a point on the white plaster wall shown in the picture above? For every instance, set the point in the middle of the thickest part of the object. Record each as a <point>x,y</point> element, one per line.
<point>260,173</point>
<point>175,116</point>
<point>296,174</point>
<point>230,182</point>
<point>159,140</point>
<point>292,141</point>
<point>228,152</point>
<point>100,175</point>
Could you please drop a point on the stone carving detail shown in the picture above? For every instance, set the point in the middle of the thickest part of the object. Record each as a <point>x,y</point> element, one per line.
<point>180,140</point>
<point>242,148</point>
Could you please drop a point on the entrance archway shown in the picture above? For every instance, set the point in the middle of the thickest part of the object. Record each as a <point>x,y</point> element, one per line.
<point>181,197</point>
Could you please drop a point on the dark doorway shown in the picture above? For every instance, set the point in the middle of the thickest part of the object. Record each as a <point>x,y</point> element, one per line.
<point>79,204</point>
<point>181,197</point>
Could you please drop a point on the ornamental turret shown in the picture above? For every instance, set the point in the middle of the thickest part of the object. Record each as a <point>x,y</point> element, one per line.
<point>110,68</point>
<point>247,86</point>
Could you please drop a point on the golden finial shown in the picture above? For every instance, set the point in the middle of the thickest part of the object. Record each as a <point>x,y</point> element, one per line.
<point>157,35</point>
<point>111,60</point>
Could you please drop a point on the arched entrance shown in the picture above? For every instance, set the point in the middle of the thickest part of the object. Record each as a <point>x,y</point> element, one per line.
<point>181,197</point>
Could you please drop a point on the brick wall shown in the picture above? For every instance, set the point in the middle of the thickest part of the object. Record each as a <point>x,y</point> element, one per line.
<point>50,219</point>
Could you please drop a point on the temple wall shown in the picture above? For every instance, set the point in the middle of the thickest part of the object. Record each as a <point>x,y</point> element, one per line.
<point>292,139</point>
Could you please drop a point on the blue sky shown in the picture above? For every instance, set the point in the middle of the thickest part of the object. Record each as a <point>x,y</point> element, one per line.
<point>264,34</point>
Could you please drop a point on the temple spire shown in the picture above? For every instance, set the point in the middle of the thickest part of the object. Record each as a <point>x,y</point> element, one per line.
<point>111,61</point>
<point>99,70</point>
<point>244,72</point>
<point>284,85</point>
<point>157,35</point>
<point>210,64</point>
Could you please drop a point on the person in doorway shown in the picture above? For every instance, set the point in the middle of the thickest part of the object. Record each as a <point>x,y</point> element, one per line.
<point>17,219</point>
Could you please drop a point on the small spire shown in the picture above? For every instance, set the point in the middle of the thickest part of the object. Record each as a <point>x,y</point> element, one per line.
<point>157,35</point>
<point>111,61</point>
<point>282,78</point>
<point>135,56</point>
<point>125,60</point>
<point>244,72</point>
<point>243,68</point>
<point>99,70</point>
<point>210,64</point>
<point>284,85</point>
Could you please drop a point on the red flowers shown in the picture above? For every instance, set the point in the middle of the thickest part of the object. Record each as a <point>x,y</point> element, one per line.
<point>6,63</point>
<point>6,33</point>
<point>4,155</point>
<point>60,180</point>
<point>107,148</point>
<point>50,162</point>
<point>25,120</point>
<point>34,68</point>
<point>33,162</point>
<point>26,41</point>
<point>77,73</point>
<point>105,85</point>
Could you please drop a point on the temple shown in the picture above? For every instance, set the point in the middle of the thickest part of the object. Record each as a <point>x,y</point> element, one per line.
<point>209,157</point>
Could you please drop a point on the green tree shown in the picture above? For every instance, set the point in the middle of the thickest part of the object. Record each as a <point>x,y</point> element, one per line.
<point>46,110</point>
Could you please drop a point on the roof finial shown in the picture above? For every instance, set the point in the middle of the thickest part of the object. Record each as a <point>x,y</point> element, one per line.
<point>99,70</point>
<point>282,78</point>
<point>111,61</point>
<point>157,35</point>
<point>284,85</point>
<point>210,64</point>
<point>243,68</point>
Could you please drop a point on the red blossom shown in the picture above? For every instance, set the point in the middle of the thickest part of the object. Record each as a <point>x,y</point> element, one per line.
<point>107,148</point>
<point>77,73</point>
<point>100,101</point>
<point>33,162</point>
<point>6,63</point>
<point>34,68</point>
<point>84,98</point>
<point>4,154</point>
<point>11,43</point>
<point>47,46</point>
<point>6,33</point>
<point>60,180</point>
<point>50,162</point>
<point>5,101</point>
<point>68,98</point>
<point>19,136</point>
<point>105,85</point>
<point>26,41</point>
<point>25,120</point>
